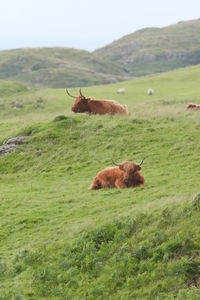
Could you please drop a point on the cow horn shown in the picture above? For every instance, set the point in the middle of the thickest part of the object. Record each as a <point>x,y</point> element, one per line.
<point>70,94</point>
<point>143,160</point>
<point>81,94</point>
<point>114,163</point>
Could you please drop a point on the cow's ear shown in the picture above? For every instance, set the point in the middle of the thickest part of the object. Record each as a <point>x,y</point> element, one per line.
<point>84,100</point>
<point>121,167</point>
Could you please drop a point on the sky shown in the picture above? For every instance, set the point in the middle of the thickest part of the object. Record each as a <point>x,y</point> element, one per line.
<point>86,24</point>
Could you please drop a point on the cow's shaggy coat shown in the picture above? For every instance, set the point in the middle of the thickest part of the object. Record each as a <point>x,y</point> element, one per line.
<point>91,106</point>
<point>126,174</point>
<point>192,106</point>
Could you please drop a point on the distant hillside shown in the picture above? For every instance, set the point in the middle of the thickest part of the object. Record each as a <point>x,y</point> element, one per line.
<point>144,52</point>
<point>153,50</point>
<point>58,67</point>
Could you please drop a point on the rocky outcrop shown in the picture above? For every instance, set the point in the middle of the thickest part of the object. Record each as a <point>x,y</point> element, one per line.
<point>11,144</point>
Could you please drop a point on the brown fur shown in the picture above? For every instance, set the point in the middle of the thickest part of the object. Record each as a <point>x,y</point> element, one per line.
<point>126,175</point>
<point>193,106</point>
<point>91,106</point>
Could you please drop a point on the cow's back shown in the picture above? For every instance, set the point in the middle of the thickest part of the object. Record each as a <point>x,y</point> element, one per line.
<point>108,176</point>
<point>115,107</point>
<point>107,107</point>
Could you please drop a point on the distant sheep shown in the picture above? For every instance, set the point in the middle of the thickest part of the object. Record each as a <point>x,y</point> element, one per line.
<point>193,106</point>
<point>121,91</point>
<point>150,92</point>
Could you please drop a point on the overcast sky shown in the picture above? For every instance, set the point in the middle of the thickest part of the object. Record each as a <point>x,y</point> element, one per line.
<point>85,24</point>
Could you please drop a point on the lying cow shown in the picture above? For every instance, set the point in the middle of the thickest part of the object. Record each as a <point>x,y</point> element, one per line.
<point>193,106</point>
<point>124,175</point>
<point>91,106</point>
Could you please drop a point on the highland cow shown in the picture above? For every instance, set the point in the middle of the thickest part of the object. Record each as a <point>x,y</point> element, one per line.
<point>124,175</point>
<point>193,106</point>
<point>91,106</point>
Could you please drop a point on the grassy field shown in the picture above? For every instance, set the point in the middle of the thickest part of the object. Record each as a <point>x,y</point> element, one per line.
<point>58,240</point>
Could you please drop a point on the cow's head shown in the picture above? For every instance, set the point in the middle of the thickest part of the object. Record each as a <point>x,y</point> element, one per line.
<point>129,168</point>
<point>80,104</point>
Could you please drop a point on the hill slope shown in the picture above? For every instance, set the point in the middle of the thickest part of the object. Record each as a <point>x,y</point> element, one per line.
<point>58,239</point>
<point>58,67</point>
<point>151,50</point>
<point>146,51</point>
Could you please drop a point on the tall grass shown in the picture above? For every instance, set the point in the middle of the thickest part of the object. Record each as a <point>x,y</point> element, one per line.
<point>58,240</point>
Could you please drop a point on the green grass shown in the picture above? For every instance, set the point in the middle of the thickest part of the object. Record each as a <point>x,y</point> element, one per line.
<point>58,240</point>
<point>11,88</point>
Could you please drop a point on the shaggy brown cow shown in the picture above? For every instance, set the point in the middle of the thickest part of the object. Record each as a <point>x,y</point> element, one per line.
<point>91,106</point>
<point>126,174</point>
<point>193,106</point>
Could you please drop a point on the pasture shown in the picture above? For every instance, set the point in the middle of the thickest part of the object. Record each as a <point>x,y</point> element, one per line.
<point>58,240</point>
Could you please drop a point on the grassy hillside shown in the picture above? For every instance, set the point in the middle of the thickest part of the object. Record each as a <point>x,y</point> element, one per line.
<point>57,67</point>
<point>147,51</point>
<point>58,240</point>
<point>152,50</point>
<point>11,88</point>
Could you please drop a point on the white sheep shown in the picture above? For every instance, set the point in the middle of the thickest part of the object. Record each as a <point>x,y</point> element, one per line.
<point>150,92</point>
<point>121,91</point>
